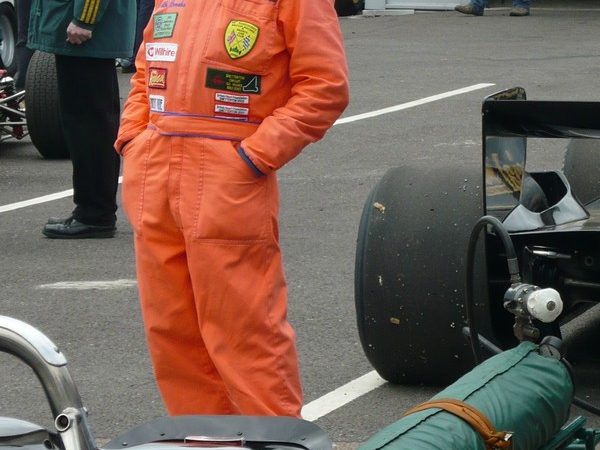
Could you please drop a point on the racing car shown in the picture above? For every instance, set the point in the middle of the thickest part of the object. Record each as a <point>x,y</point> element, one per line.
<point>419,224</point>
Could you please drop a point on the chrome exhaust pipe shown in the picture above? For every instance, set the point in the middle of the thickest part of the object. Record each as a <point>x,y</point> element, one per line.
<point>50,366</point>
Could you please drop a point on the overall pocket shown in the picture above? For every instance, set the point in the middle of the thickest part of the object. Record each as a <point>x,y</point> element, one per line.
<point>233,203</point>
<point>244,35</point>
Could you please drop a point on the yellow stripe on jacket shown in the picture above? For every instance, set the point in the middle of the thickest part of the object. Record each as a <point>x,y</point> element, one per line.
<point>90,11</point>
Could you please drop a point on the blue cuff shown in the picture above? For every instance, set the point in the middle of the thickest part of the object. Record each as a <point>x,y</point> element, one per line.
<point>248,161</point>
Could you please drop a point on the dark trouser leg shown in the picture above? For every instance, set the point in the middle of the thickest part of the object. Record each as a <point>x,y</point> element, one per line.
<point>144,12</point>
<point>90,111</point>
<point>23,54</point>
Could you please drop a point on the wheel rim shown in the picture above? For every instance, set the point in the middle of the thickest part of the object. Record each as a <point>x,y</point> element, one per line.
<point>7,41</point>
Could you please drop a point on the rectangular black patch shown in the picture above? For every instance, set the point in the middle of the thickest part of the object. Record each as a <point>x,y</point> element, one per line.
<point>233,81</point>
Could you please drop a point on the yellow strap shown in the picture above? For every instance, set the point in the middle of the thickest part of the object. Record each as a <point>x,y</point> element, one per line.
<point>479,422</point>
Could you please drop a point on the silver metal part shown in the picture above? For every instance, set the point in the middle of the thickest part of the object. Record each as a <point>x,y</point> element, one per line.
<point>50,366</point>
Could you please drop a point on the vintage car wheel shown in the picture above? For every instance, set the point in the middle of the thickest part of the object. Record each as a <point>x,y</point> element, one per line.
<point>410,273</point>
<point>8,37</point>
<point>581,167</point>
<point>42,110</point>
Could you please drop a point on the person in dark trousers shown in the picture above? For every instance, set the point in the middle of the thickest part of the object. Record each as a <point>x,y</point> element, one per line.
<point>86,36</point>
<point>144,12</point>
<point>22,52</point>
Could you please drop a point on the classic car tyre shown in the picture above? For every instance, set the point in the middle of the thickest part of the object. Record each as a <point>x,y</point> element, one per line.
<point>581,167</point>
<point>8,37</point>
<point>410,273</point>
<point>41,107</point>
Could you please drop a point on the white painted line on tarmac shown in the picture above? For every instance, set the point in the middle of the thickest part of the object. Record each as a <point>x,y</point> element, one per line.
<point>341,396</point>
<point>423,101</point>
<point>38,200</point>
<point>90,285</point>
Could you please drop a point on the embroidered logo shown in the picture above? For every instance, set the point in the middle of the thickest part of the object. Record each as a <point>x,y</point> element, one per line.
<point>164,25</point>
<point>240,38</point>
<point>161,52</point>
<point>157,78</point>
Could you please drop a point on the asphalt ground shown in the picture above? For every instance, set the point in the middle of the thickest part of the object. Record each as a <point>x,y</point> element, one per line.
<point>393,60</point>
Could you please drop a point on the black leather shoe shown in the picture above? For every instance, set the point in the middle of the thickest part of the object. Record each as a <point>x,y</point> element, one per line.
<point>55,220</point>
<point>73,229</point>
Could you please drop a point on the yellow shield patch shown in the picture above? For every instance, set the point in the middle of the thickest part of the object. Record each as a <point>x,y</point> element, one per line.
<point>240,38</point>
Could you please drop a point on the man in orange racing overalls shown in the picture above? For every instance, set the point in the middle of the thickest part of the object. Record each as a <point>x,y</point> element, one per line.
<point>226,92</point>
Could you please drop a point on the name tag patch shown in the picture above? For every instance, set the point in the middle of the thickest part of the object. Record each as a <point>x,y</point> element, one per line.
<point>233,81</point>
<point>229,109</point>
<point>161,52</point>
<point>157,78</point>
<point>164,25</point>
<point>157,103</point>
<point>230,98</point>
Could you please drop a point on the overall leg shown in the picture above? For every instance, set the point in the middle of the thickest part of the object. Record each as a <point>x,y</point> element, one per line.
<point>243,320</point>
<point>238,279</point>
<point>90,111</point>
<point>186,377</point>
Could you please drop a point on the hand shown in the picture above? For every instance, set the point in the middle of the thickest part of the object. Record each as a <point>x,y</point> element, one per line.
<point>77,35</point>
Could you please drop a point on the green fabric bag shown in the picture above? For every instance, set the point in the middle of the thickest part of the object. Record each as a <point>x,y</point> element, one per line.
<point>518,390</point>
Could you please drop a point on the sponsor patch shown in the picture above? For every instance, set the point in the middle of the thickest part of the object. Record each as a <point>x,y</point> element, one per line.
<point>164,25</point>
<point>240,38</point>
<point>229,109</point>
<point>161,52</point>
<point>233,81</point>
<point>230,98</point>
<point>157,78</point>
<point>157,103</point>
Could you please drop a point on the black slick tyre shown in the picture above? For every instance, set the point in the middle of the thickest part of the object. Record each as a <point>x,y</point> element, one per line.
<point>410,273</point>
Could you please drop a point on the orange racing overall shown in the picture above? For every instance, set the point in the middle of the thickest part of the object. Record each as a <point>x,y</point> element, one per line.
<point>226,92</point>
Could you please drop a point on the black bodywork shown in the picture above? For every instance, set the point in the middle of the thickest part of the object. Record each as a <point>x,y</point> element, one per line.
<point>557,238</point>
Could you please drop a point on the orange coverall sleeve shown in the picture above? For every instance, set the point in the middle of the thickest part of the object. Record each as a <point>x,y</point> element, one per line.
<point>319,76</point>
<point>136,113</point>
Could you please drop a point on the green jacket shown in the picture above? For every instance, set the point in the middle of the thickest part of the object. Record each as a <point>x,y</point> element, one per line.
<point>112,23</point>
